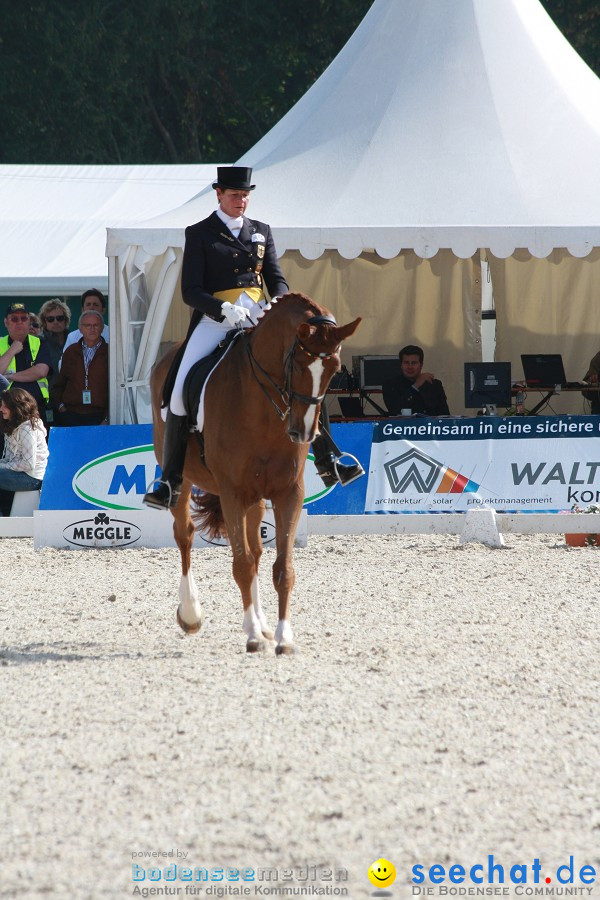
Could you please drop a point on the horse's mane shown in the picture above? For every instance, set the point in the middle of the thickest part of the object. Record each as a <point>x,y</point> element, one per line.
<point>295,299</point>
<point>292,308</point>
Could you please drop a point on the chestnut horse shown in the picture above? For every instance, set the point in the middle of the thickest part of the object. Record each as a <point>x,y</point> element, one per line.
<point>261,412</point>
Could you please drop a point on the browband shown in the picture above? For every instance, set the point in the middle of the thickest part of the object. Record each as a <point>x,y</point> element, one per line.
<point>321,320</point>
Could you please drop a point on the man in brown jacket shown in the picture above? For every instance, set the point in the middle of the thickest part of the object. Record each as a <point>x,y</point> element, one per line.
<point>81,389</point>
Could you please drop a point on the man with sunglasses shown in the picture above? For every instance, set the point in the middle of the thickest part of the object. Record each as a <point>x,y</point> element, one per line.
<point>24,358</point>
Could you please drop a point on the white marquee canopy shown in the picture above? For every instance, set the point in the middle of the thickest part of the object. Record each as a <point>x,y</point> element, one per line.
<point>440,129</point>
<point>460,125</point>
<point>53,219</point>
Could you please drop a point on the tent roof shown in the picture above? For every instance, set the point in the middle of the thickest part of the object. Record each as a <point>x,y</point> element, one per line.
<point>53,219</point>
<point>462,125</point>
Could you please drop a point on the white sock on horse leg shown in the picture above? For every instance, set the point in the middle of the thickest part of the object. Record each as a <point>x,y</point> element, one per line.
<point>190,608</point>
<point>284,633</point>
<point>251,624</point>
<point>255,588</point>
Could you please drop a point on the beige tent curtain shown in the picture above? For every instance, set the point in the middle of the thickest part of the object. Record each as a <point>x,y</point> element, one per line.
<point>435,303</point>
<point>549,305</point>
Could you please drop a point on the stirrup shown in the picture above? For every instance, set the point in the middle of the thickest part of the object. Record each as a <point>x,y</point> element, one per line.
<point>347,473</point>
<point>163,497</point>
<point>333,472</point>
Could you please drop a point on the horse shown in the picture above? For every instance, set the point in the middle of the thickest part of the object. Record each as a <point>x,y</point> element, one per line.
<point>261,413</point>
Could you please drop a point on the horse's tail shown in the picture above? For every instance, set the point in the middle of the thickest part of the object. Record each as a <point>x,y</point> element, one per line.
<point>208,515</point>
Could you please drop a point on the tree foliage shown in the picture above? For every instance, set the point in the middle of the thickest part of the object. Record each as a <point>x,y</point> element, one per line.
<point>148,81</point>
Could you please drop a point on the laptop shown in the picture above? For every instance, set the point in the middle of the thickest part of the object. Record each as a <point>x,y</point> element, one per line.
<point>351,407</point>
<point>545,370</point>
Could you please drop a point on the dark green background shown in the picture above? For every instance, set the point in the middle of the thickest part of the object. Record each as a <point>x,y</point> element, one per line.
<point>177,81</point>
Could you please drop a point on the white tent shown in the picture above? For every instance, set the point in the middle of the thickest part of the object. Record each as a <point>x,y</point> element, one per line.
<point>53,219</point>
<point>441,132</point>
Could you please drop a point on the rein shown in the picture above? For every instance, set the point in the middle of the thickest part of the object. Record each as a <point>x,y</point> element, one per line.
<point>286,393</point>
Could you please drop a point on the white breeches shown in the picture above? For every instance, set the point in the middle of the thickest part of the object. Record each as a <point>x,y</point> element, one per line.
<point>203,340</point>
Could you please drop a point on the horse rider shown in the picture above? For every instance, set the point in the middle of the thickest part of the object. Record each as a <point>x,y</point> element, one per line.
<point>227,260</point>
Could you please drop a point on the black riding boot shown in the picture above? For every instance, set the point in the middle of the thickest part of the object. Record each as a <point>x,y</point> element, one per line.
<point>168,489</point>
<point>328,464</point>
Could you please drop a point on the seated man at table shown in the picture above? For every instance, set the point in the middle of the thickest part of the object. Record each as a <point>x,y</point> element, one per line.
<point>414,389</point>
<point>591,376</point>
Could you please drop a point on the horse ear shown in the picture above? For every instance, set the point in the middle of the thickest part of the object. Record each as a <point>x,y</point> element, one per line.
<point>305,331</point>
<point>342,332</point>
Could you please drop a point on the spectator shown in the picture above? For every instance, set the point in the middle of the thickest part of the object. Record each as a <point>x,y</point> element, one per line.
<point>55,317</point>
<point>24,358</point>
<point>25,456</point>
<point>91,299</point>
<point>591,376</point>
<point>35,326</point>
<point>81,389</point>
<point>413,389</point>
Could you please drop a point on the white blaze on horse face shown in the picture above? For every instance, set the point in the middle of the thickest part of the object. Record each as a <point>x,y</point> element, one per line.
<point>316,369</point>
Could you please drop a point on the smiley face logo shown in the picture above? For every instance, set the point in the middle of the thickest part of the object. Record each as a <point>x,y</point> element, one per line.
<point>382,873</point>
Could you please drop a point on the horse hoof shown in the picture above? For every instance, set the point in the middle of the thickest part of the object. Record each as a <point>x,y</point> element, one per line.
<point>254,645</point>
<point>189,629</point>
<point>268,634</point>
<point>284,649</point>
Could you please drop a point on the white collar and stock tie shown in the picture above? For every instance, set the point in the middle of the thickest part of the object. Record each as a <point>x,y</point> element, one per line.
<point>233,223</point>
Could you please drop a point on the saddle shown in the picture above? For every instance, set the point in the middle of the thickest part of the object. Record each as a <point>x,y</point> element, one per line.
<point>197,376</point>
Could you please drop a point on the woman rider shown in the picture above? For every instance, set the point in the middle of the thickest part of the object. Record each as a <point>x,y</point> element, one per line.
<point>226,261</point>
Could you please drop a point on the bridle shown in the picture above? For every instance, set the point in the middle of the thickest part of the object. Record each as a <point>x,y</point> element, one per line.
<point>286,393</point>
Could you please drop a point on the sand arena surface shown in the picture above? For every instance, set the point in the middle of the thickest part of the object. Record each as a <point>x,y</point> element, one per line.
<point>442,705</point>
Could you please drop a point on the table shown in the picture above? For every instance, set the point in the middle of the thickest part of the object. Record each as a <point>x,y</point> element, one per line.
<point>365,397</point>
<point>549,392</point>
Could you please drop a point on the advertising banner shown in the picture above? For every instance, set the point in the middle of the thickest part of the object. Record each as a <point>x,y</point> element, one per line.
<point>81,530</point>
<point>110,468</point>
<point>517,464</point>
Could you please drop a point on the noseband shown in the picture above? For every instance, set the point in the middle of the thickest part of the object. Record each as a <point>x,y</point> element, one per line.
<point>286,393</point>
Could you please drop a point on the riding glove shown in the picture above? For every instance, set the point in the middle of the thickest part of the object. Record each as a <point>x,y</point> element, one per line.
<point>234,314</point>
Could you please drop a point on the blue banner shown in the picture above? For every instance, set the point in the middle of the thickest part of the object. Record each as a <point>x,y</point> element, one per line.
<point>99,467</point>
<point>110,467</point>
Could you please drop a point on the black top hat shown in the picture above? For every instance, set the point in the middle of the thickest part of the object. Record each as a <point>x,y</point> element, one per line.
<point>237,178</point>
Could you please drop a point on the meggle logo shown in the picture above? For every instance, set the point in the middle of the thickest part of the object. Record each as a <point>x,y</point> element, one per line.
<point>118,480</point>
<point>102,531</point>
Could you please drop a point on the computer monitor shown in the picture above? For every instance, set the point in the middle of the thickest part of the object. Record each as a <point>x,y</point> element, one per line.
<point>487,385</point>
<point>374,370</point>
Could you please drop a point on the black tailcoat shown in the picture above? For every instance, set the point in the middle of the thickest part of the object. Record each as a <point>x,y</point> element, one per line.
<point>214,260</point>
